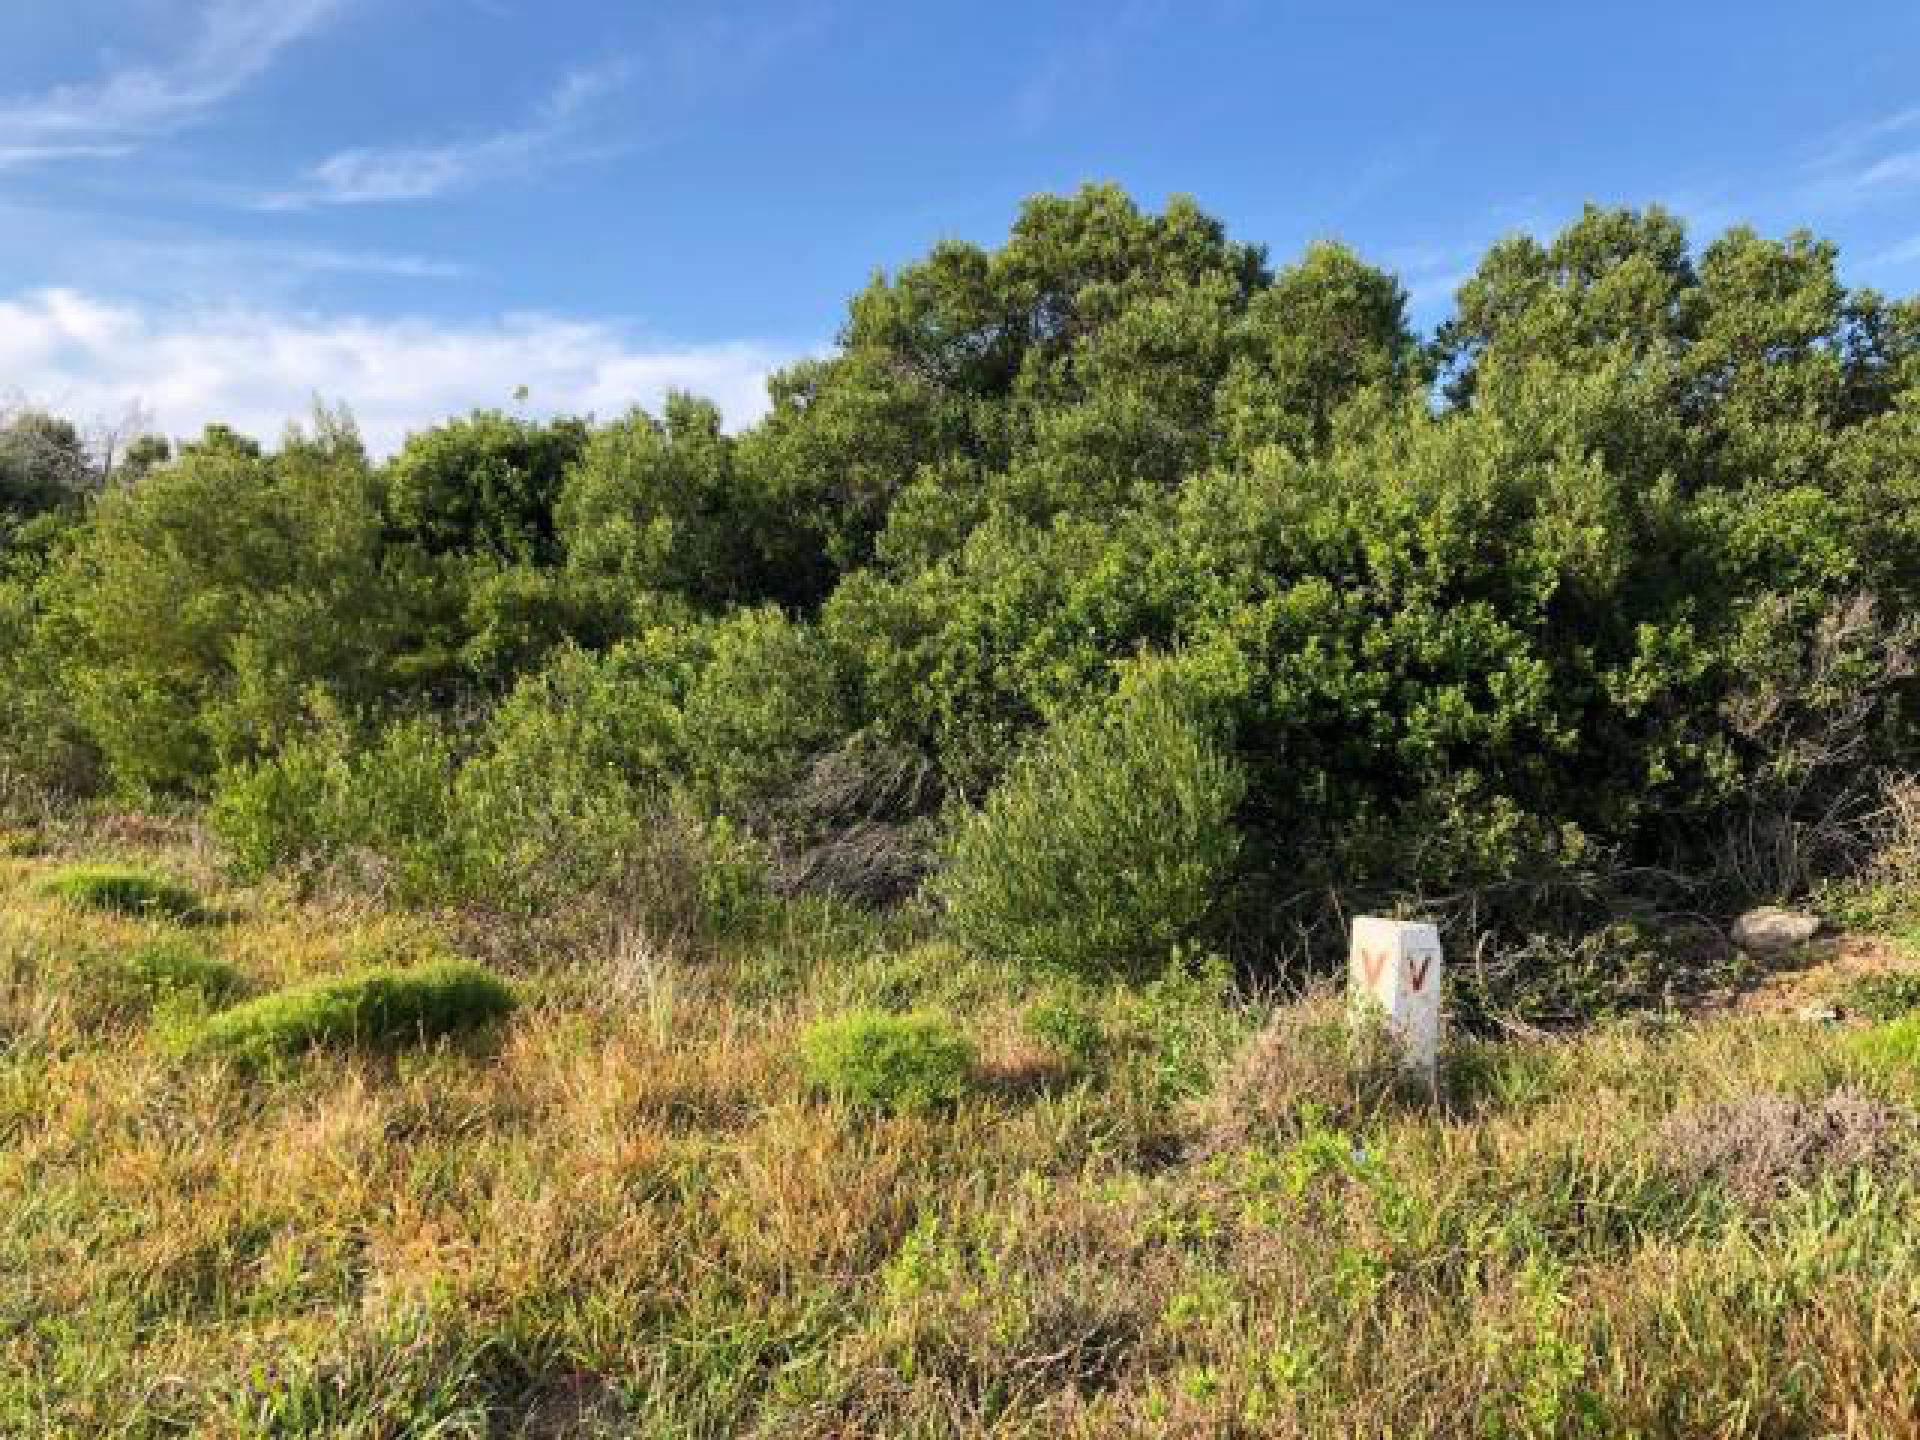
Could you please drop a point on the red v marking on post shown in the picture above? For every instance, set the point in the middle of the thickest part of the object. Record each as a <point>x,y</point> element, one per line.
<point>1371,965</point>
<point>1418,970</point>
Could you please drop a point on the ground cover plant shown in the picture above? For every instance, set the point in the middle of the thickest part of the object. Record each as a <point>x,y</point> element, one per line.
<point>163,971</point>
<point>892,1062</point>
<point>125,890</point>
<point>379,1007</point>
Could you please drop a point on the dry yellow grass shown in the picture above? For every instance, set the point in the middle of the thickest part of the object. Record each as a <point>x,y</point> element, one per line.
<point>623,1215</point>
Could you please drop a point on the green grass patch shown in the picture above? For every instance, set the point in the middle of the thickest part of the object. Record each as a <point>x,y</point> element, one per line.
<point>20,844</point>
<point>123,890</point>
<point>168,970</point>
<point>383,1008</point>
<point>891,1062</point>
<point>1883,997</point>
<point>1893,1047</point>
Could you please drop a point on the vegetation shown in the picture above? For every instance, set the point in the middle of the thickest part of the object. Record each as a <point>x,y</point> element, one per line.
<point>1074,649</point>
<point>625,1217</point>
<point>124,890</point>
<point>892,1062</point>
<point>1105,848</point>
<point>164,970</point>
<point>1593,605</point>
<point>382,1007</point>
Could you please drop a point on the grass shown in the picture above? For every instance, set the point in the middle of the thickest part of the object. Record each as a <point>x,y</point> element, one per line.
<point>375,1008</point>
<point>1893,1047</point>
<point>124,890</point>
<point>166,970</point>
<point>628,1218</point>
<point>1883,997</point>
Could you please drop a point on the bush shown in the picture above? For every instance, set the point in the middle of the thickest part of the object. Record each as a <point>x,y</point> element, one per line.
<point>377,1008</point>
<point>767,698</point>
<point>567,785</point>
<point>891,1062</point>
<point>1108,844</point>
<point>124,891</point>
<point>283,811</point>
<point>321,798</point>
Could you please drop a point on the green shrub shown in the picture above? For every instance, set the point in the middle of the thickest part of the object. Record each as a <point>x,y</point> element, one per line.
<point>123,890</point>
<point>322,797</point>
<point>567,782</point>
<point>768,697</point>
<point>1107,845</point>
<point>377,1008</point>
<point>283,811</point>
<point>891,1062</point>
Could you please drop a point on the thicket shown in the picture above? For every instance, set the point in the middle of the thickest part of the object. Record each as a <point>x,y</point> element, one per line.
<point>1598,599</point>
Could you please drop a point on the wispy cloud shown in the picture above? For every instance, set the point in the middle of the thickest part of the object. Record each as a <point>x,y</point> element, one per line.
<point>175,264</point>
<point>233,41</point>
<point>1905,252</point>
<point>411,172</point>
<point>1867,162</point>
<point>1074,73</point>
<point>257,368</point>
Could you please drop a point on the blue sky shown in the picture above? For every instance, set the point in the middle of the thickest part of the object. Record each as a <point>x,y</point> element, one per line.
<point>224,208</point>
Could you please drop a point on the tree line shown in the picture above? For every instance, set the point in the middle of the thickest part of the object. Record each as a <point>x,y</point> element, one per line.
<point>1105,593</point>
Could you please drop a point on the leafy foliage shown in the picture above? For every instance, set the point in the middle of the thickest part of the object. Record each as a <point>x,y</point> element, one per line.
<point>1106,846</point>
<point>1606,589</point>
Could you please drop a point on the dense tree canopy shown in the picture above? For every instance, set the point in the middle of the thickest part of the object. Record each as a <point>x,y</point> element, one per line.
<point>1620,561</point>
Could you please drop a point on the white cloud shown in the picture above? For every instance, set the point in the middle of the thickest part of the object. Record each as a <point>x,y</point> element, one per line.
<point>391,173</point>
<point>234,41</point>
<point>89,357</point>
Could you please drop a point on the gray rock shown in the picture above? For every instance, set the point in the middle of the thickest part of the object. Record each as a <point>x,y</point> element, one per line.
<point>1772,931</point>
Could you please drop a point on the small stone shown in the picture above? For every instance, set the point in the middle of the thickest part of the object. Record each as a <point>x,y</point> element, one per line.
<point>1820,1014</point>
<point>1772,931</point>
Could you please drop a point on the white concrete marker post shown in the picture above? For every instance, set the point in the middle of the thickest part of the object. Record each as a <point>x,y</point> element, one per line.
<point>1394,974</point>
